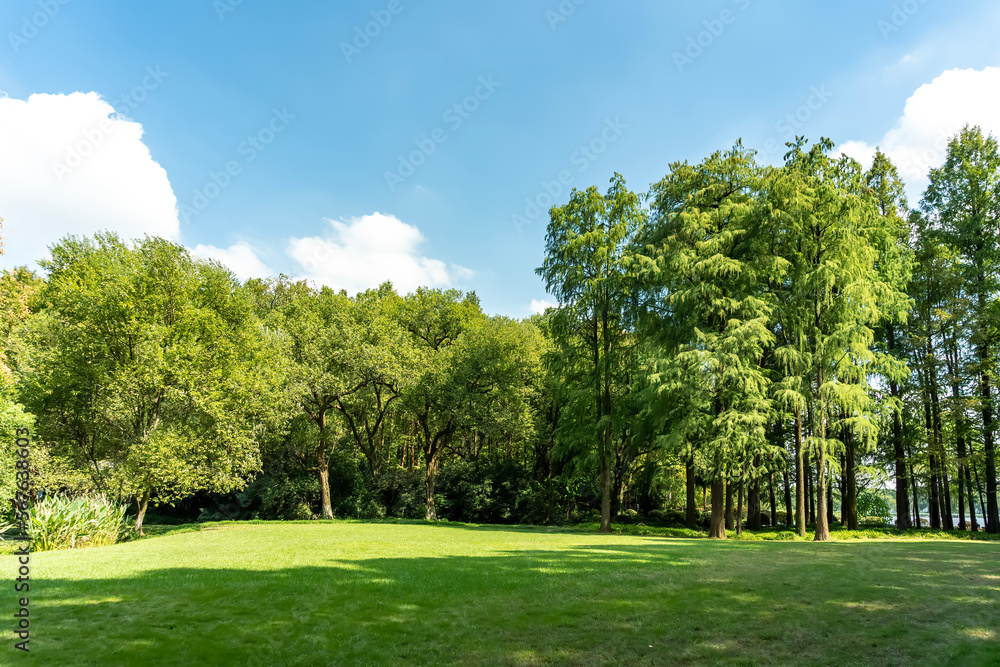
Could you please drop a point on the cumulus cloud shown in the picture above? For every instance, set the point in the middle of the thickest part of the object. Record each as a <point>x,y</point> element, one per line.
<point>69,164</point>
<point>539,305</point>
<point>361,253</point>
<point>932,115</point>
<point>240,258</point>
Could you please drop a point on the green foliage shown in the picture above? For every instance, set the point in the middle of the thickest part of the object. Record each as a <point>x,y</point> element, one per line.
<point>490,492</point>
<point>147,368</point>
<point>58,522</point>
<point>873,508</point>
<point>12,417</point>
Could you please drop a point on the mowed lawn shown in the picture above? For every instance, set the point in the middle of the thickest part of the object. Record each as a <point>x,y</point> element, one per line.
<point>400,594</point>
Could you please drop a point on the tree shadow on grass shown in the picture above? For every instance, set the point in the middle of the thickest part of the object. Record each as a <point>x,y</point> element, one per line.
<point>656,602</point>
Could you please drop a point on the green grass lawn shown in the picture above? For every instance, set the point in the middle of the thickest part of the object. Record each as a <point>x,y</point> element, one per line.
<point>397,594</point>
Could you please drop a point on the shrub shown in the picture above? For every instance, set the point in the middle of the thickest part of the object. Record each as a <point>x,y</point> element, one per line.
<point>873,507</point>
<point>58,522</point>
<point>401,492</point>
<point>489,492</point>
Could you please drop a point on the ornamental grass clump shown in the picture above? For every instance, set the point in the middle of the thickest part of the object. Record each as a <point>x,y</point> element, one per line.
<point>86,521</point>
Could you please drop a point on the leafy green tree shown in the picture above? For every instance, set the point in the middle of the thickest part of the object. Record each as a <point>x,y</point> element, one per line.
<point>705,261</point>
<point>309,326</point>
<point>895,262</point>
<point>470,371</point>
<point>146,367</point>
<point>375,369</point>
<point>963,201</point>
<point>837,294</point>
<point>587,249</point>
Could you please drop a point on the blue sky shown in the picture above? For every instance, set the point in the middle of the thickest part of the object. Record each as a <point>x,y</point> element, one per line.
<point>307,117</point>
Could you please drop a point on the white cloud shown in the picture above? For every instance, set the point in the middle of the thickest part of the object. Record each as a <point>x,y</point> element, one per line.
<point>240,258</point>
<point>361,253</point>
<point>932,115</point>
<point>539,305</point>
<point>70,165</point>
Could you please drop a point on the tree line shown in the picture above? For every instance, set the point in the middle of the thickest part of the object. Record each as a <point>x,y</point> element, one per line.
<point>793,336</point>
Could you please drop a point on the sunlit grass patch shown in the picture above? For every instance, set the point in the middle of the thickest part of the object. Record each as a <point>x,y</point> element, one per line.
<point>414,594</point>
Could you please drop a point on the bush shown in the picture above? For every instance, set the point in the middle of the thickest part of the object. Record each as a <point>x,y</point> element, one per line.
<point>401,492</point>
<point>489,492</point>
<point>873,507</point>
<point>87,521</point>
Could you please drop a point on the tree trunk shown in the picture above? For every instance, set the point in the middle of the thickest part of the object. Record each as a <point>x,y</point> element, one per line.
<point>142,503</point>
<point>992,518</point>
<point>692,510</point>
<point>324,473</point>
<point>717,528</point>
<point>916,497</point>
<point>942,459</point>
<point>902,492</point>
<point>771,497</point>
<point>972,500</point>
<point>934,501</point>
<point>963,468</point>
<point>979,488</point>
<point>605,473</point>
<point>829,501</point>
<point>787,519</point>
<point>811,490</point>
<point>431,509</point>
<point>843,488</point>
<point>800,478</point>
<point>962,525</point>
<point>754,521</point>
<point>739,508</point>
<point>850,507</point>
<point>822,527</point>
<point>730,525</point>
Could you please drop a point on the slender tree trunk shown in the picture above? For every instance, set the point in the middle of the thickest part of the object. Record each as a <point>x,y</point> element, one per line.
<point>962,525</point>
<point>692,510</point>
<point>986,406</point>
<point>142,503</point>
<point>323,468</point>
<point>850,508</point>
<point>789,508</point>
<point>739,508</point>
<point>605,473</point>
<point>829,500</point>
<point>771,498</point>
<point>730,525</point>
<point>992,517</point>
<point>754,505</point>
<point>933,502</point>
<point>934,499</point>
<point>963,468</point>
<point>717,528</point>
<point>902,493</point>
<point>972,501</point>
<point>942,459</point>
<point>431,509</point>
<point>811,491</point>
<point>979,488</point>
<point>843,489</point>
<point>822,526</point>
<point>916,497</point>
<point>800,478</point>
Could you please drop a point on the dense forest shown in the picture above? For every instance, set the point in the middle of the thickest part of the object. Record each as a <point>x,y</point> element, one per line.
<point>741,346</point>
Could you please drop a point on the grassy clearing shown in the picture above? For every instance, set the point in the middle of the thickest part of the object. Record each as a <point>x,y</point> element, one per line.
<point>407,593</point>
